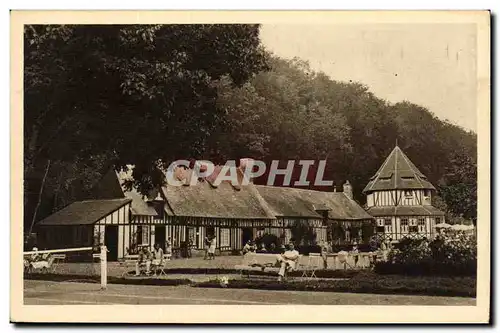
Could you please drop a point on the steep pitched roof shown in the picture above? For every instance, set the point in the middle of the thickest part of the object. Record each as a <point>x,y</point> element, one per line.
<point>293,202</point>
<point>224,201</point>
<point>83,212</point>
<point>398,172</point>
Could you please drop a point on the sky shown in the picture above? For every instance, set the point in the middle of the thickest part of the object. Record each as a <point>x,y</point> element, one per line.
<point>432,65</point>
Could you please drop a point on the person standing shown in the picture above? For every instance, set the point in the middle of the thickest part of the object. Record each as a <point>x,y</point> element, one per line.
<point>324,254</point>
<point>207,246</point>
<point>168,248</point>
<point>212,247</point>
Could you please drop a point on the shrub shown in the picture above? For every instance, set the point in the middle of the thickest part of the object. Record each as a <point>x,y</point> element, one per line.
<point>451,253</point>
<point>267,240</point>
<point>306,249</point>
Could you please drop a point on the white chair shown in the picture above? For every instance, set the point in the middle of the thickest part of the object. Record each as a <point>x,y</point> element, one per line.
<point>315,261</point>
<point>304,265</point>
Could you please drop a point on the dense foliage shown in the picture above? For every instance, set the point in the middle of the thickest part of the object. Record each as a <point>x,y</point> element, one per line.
<point>104,96</point>
<point>97,96</point>
<point>451,253</point>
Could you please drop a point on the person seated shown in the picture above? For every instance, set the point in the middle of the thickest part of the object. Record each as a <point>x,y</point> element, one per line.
<point>144,258</point>
<point>355,248</point>
<point>43,261</point>
<point>263,248</point>
<point>287,261</point>
<point>247,248</point>
<point>35,256</point>
<point>157,256</point>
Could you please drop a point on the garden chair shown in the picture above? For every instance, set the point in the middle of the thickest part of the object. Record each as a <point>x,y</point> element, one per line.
<point>304,265</point>
<point>315,261</point>
<point>163,266</point>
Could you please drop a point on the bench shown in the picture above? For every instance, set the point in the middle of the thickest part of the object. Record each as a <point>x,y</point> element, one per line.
<point>259,262</point>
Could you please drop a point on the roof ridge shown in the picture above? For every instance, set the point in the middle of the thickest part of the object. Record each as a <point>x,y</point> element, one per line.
<point>94,200</point>
<point>396,169</point>
<point>417,176</point>
<point>382,167</point>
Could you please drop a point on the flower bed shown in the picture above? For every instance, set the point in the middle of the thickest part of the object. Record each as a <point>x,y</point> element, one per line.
<point>364,283</point>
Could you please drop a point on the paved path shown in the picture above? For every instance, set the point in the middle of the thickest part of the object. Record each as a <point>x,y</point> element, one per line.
<point>52,293</point>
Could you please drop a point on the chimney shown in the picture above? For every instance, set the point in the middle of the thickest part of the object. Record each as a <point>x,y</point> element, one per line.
<point>348,190</point>
<point>158,205</point>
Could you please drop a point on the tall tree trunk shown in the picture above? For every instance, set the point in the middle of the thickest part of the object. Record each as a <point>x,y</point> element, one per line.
<point>39,197</point>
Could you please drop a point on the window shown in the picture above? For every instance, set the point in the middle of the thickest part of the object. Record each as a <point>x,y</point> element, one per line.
<point>408,193</point>
<point>380,222</point>
<point>438,220</point>
<point>421,224</point>
<point>388,225</point>
<point>427,193</point>
<point>145,234</point>
<point>224,237</point>
<point>380,229</point>
<point>404,225</point>
<point>413,228</point>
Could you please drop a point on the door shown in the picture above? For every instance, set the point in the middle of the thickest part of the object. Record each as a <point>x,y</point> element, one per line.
<point>247,234</point>
<point>160,236</point>
<point>111,241</point>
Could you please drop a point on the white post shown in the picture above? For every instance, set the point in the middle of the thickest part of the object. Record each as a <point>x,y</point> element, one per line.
<point>103,257</point>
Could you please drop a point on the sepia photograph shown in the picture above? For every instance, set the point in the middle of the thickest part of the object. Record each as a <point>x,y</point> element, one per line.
<point>262,162</point>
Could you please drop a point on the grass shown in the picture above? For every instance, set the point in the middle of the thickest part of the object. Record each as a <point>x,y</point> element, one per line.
<point>366,283</point>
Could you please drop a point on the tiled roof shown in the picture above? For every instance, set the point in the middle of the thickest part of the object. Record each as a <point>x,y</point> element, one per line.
<point>398,172</point>
<point>84,212</point>
<point>293,202</point>
<point>224,201</point>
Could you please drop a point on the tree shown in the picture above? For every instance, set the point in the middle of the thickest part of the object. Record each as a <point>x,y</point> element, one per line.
<point>459,186</point>
<point>141,94</point>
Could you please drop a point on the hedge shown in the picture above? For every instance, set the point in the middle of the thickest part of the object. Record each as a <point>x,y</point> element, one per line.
<point>111,279</point>
<point>364,283</point>
<point>426,269</point>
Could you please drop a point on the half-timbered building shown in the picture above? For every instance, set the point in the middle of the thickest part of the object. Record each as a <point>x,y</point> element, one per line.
<point>335,216</point>
<point>399,196</point>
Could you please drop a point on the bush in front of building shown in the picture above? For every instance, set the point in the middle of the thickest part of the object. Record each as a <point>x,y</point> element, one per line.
<point>363,283</point>
<point>451,253</point>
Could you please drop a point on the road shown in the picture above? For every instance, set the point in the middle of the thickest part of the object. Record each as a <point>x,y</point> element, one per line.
<point>54,293</point>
